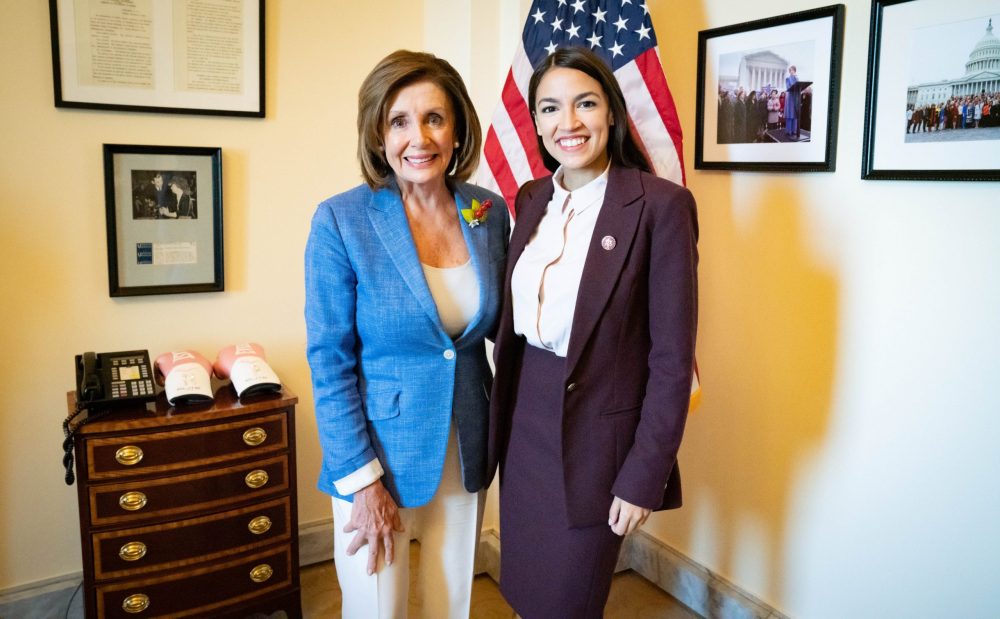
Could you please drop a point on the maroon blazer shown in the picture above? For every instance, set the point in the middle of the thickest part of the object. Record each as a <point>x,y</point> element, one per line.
<point>631,350</point>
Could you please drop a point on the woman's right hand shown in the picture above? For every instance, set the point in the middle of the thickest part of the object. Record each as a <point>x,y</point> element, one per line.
<point>375,516</point>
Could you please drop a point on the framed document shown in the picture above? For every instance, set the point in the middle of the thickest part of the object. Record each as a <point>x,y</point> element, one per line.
<point>173,56</point>
<point>164,219</point>
<point>769,92</point>
<point>932,111</point>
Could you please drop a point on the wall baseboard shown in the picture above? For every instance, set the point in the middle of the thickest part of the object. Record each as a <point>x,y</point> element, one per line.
<point>44,599</point>
<point>692,584</point>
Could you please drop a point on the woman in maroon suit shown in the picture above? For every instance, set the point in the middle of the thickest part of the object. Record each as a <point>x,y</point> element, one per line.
<point>595,348</point>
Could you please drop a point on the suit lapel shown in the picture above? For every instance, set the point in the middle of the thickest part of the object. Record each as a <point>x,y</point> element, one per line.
<point>388,218</point>
<point>532,205</point>
<point>477,240</point>
<point>536,198</point>
<point>619,220</point>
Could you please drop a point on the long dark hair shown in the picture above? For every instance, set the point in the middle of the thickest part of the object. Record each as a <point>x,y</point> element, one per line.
<point>622,147</point>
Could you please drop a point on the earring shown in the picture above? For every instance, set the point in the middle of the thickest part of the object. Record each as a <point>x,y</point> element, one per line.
<point>456,144</point>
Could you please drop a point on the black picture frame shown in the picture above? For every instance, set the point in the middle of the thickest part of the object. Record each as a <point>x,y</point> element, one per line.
<point>937,149</point>
<point>213,68</point>
<point>814,40</point>
<point>164,219</point>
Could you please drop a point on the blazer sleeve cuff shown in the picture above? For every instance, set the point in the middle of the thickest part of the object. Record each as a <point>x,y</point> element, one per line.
<point>349,484</point>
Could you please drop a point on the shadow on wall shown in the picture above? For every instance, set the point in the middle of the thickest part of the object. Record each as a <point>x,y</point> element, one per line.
<point>767,352</point>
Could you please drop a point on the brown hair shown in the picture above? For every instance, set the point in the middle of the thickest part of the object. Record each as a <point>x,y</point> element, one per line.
<point>622,147</point>
<point>393,73</point>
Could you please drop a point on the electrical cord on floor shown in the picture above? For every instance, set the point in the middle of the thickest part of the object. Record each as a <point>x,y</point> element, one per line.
<point>71,598</point>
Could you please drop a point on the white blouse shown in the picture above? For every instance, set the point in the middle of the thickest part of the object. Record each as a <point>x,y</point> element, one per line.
<point>546,278</point>
<point>456,294</point>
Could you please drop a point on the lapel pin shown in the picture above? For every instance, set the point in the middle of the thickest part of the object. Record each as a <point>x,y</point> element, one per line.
<point>608,243</point>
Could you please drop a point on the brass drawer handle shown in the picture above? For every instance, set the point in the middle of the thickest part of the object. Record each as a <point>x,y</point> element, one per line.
<point>135,603</point>
<point>254,436</point>
<point>129,455</point>
<point>132,551</point>
<point>259,525</point>
<point>261,573</point>
<point>132,501</point>
<point>256,478</point>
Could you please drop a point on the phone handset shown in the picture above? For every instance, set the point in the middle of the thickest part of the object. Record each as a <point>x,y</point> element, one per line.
<point>89,388</point>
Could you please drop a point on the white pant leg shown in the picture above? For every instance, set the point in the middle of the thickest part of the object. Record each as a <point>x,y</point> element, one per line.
<point>383,595</point>
<point>449,533</point>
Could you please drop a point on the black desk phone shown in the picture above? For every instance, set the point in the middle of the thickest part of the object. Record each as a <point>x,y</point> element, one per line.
<point>114,378</point>
<point>103,381</point>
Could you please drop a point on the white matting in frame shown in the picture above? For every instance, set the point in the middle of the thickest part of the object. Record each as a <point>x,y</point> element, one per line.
<point>813,40</point>
<point>164,219</point>
<point>908,39</point>
<point>176,56</point>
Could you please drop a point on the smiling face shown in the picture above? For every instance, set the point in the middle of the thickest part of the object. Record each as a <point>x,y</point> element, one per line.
<point>574,120</point>
<point>419,135</point>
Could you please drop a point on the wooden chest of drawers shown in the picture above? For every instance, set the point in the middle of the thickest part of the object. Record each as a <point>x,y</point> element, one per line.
<point>190,512</point>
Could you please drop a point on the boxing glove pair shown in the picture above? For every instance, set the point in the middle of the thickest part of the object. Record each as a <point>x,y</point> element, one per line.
<point>186,375</point>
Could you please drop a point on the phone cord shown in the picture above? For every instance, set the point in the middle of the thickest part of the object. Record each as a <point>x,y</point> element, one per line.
<point>69,431</point>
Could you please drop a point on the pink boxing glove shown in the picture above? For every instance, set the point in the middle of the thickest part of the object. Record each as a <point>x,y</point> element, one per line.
<point>244,364</point>
<point>185,376</point>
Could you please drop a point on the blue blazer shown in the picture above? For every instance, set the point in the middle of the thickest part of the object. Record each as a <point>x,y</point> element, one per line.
<point>386,377</point>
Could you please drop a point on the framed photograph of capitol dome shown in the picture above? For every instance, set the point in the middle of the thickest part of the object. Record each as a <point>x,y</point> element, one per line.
<point>932,110</point>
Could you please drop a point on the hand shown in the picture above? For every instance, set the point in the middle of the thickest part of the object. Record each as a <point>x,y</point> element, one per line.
<point>625,517</point>
<point>375,516</point>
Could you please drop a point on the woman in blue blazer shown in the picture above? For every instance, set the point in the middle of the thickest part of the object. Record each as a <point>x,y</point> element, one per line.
<point>403,279</point>
<point>595,348</point>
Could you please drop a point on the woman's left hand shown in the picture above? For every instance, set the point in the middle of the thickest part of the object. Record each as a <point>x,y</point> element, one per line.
<point>625,517</point>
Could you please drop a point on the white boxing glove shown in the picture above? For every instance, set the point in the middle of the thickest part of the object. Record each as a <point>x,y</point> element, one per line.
<point>244,364</point>
<point>185,376</point>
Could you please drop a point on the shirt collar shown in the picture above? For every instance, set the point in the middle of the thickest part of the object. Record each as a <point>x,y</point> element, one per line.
<point>583,197</point>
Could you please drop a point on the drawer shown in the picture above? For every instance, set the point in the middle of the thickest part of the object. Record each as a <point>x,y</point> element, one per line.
<point>139,550</point>
<point>188,448</point>
<point>183,495</point>
<point>198,591</point>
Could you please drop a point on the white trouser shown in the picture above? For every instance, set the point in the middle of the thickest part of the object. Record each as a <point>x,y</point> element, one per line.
<point>448,530</point>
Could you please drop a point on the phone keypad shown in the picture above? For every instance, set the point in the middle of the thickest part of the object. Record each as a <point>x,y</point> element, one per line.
<point>130,377</point>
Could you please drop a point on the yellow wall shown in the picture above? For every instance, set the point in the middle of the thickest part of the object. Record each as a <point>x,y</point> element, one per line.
<point>843,461</point>
<point>54,274</point>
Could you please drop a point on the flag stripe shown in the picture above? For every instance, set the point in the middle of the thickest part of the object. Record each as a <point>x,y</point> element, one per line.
<point>520,117</point>
<point>649,124</point>
<point>500,169</point>
<point>652,73</point>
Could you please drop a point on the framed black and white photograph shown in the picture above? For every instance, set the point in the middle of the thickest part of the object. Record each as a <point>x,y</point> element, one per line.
<point>173,56</point>
<point>933,103</point>
<point>769,92</point>
<point>164,219</point>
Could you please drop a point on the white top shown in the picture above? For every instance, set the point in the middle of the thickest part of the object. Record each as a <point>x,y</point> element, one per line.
<point>456,293</point>
<point>546,278</point>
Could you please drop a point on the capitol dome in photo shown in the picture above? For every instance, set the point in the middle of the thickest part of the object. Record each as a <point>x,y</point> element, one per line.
<point>982,73</point>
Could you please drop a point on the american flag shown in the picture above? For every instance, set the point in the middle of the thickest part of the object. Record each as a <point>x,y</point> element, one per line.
<point>621,32</point>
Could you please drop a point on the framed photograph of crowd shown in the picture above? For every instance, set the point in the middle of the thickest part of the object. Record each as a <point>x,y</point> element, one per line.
<point>177,56</point>
<point>769,93</point>
<point>933,104</point>
<point>164,219</point>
